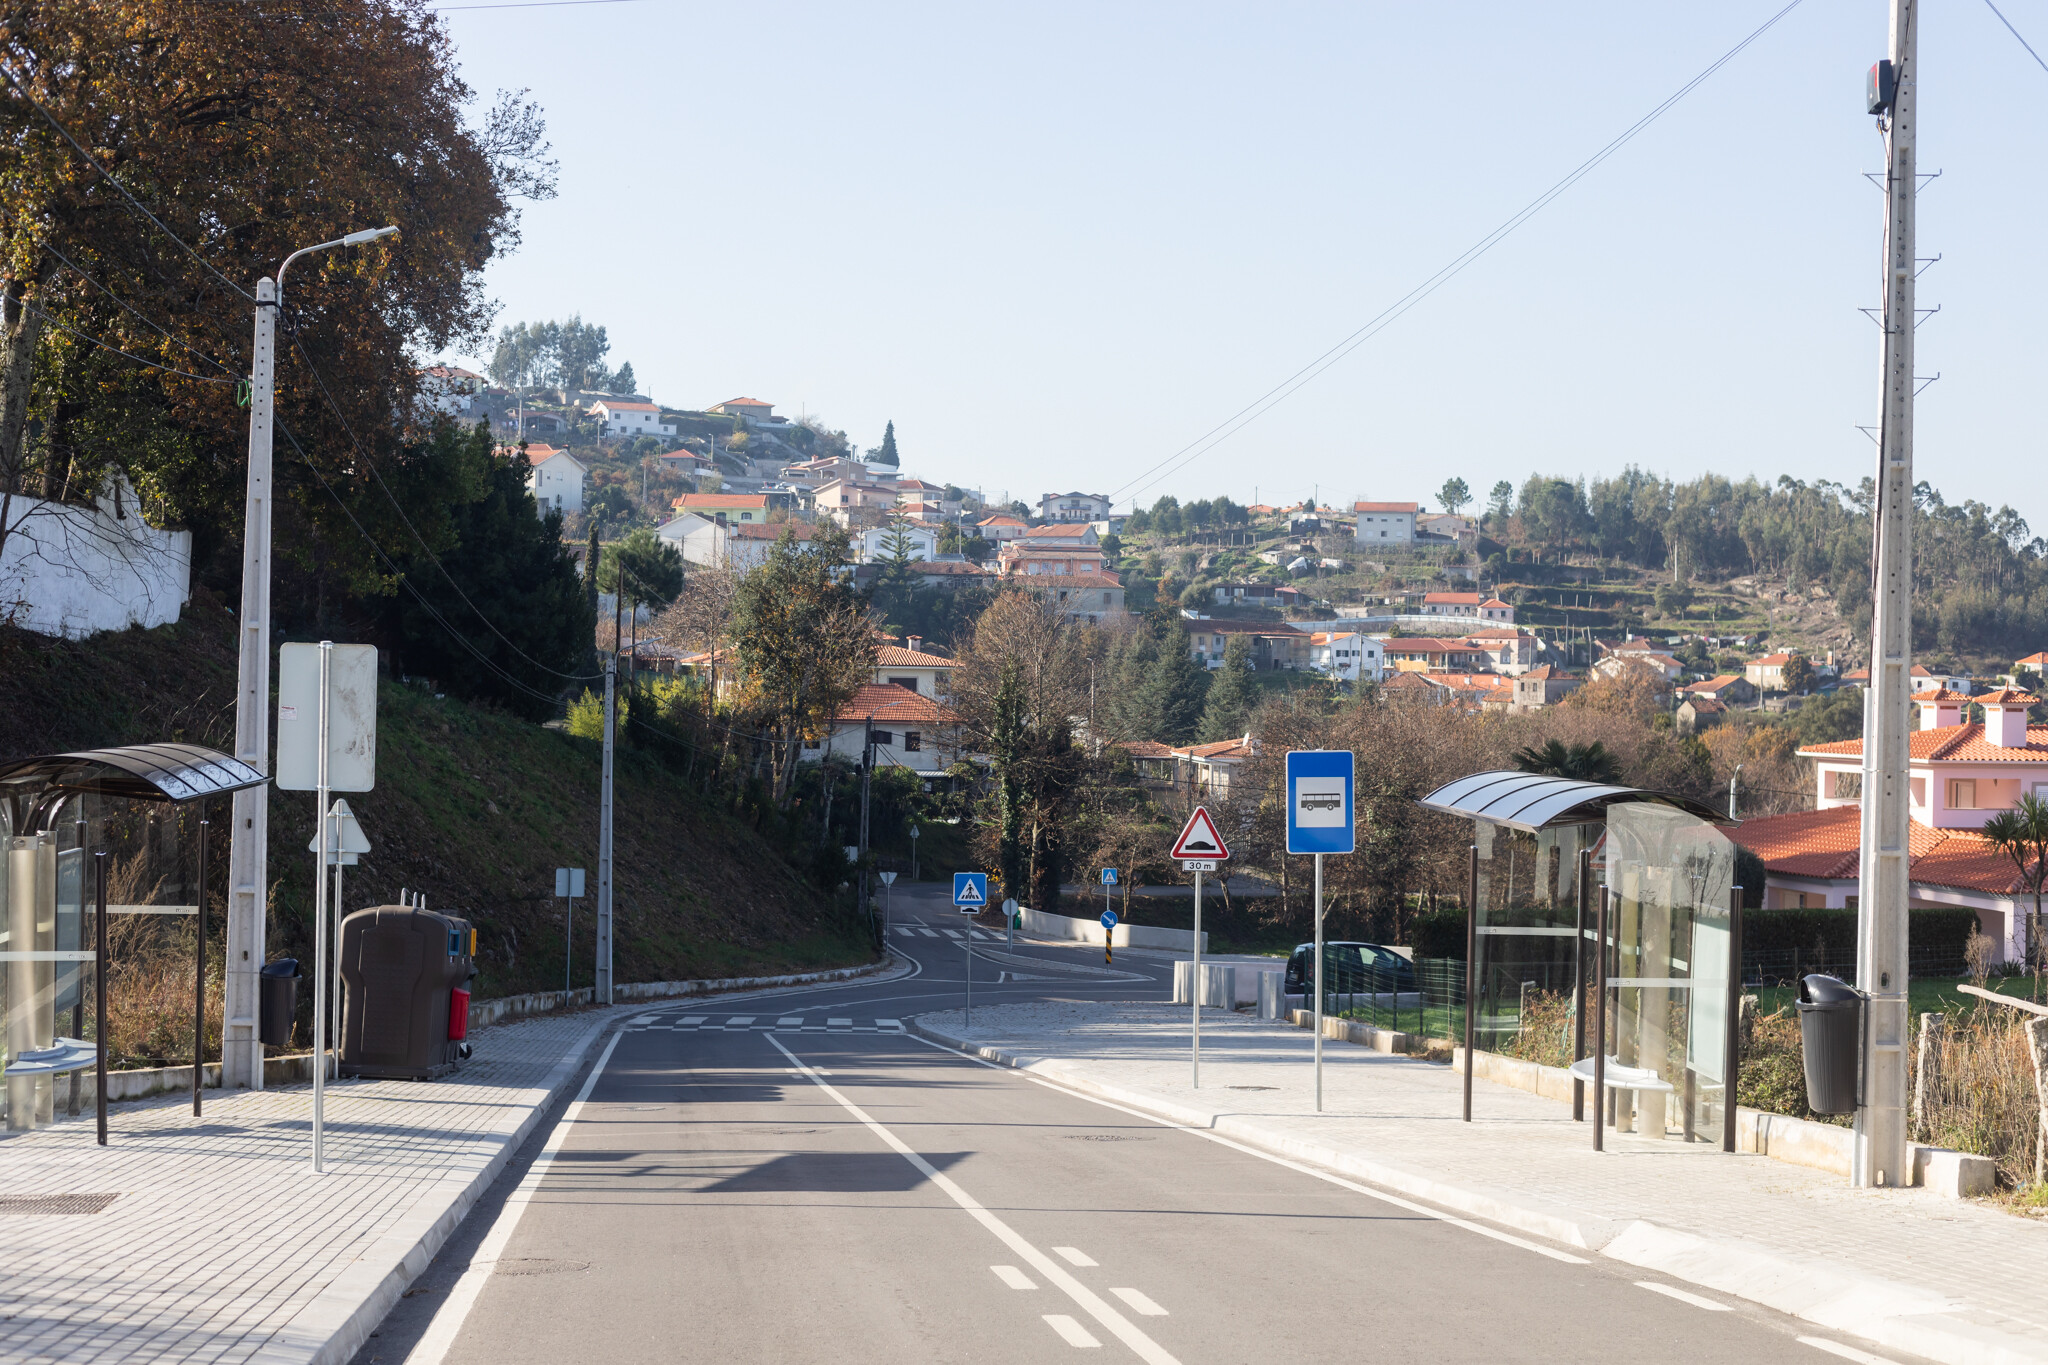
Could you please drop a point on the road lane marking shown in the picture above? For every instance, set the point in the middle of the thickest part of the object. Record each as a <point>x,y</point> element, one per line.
<point>1074,1256</point>
<point>906,931</point>
<point>1074,1332</point>
<point>695,1018</point>
<point>1140,1303</point>
<point>1329,1177</point>
<point>1119,1326</point>
<point>1674,1293</point>
<point>447,1321</point>
<point>1013,1277</point>
<point>888,1023</point>
<point>1836,1348</point>
<point>839,1023</point>
<point>739,1021</point>
<point>793,1022</point>
<point>929,933</point>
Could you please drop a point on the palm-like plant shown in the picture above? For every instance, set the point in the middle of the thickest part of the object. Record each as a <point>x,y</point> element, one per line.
<point>2021,834</point>
<point>1583,762</point>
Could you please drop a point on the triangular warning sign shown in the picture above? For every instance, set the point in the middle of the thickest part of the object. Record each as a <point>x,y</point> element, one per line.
<point>1199,839</point>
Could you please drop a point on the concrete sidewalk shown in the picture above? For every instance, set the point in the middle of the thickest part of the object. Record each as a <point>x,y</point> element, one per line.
<point>1959,1282</point>
<point>221,1244</point>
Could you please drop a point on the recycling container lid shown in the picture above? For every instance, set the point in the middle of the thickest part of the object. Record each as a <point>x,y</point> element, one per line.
<point>284,966</point>
<point>1820,989</point>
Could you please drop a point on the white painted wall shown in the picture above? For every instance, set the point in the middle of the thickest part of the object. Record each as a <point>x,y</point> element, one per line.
<point>76,571</point>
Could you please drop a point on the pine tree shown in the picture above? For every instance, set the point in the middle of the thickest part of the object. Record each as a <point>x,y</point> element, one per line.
<point>1228,712</point>
<point>886,453</point>
<point>623,381</point>
<point>1176,690</point>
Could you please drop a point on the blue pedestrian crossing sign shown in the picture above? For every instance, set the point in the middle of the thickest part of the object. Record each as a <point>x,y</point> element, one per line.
<point>1109,919</point>
<point>1319,801</point>
<point>970,890</point>
<point>1109,876</point>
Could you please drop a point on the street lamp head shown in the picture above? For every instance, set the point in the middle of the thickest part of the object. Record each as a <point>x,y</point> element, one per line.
<point>368,235</point>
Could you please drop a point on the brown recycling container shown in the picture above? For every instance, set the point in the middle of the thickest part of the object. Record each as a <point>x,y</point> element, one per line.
<point>400,969</point>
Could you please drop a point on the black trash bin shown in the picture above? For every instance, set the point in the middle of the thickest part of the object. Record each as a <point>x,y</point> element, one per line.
<point>1831,1036</point>
<point>278,1001</point>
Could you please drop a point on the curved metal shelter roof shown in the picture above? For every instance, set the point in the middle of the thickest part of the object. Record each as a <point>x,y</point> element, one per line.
<point>1533,801</point>
<point>137,772</point>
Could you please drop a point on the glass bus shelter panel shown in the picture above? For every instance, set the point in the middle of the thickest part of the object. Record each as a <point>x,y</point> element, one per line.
<point>1667,967</point>
<point>1527,917</point>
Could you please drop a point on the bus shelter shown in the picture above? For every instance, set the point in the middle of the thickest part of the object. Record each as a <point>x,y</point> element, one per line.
<point>103,834</point>
<point>1610,911</point>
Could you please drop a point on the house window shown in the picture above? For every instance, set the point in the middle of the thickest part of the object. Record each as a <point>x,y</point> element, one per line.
<point>884,737</point>
<point>1845,786</point>
<point>912,741</point>
<point>1962,793</point>
<point>1918,786</point>
<point>910,683</point>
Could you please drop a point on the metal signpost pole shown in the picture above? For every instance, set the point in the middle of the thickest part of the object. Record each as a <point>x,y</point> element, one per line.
<point>1579,985</point>
<point>1195,988</point>
<point>601,980</point>
<point>199,974</point>
<point>323,842</point>
<point>1471,970</point>
<point>1732,1061</point>
<point>1319,983</point>
<point>99,988</point>
<point>1880,1154</point>
<point>1600,1026</point>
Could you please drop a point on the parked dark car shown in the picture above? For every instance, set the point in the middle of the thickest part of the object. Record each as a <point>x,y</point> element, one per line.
<point>1351,967</point>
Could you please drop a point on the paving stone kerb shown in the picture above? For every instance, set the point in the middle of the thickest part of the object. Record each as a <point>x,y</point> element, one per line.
<point>1953,1281</point>
<point>224,1246</point>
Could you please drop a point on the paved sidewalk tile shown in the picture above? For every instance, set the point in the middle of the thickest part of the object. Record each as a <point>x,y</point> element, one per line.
<point>1969,1264</point>
<point>222,1233</point>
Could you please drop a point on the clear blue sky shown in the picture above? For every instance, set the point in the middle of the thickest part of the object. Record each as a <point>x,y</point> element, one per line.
<point>1057,242</point>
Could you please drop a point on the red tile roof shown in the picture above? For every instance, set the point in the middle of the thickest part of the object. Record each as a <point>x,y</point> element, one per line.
<point>745,402</point>
<point>1383,506</point>
<point>2036,662</point>
<point>1142,748</point>
<point>1452,599</point>
<point>1545,673</point>
<point>1948,744</point>
<point>2007,696</point>
<point>1713,684</point>
<point>1223,748</point>
<point>888,702</point>
<point>723,502</point>
<point>1493,602</point>
<point>1072,530</point>
<point>895,656</point>
<point>1771,661</point>
<point>1823,844</point>
<point>1941,694</point>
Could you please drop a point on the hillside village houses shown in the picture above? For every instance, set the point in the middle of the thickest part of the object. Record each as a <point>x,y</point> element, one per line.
<point>1480,605</point>
<point>556,478</point>
<point>1345,655</point>
<point>1000,528</point>
<point>1385,523</point>
<point>719,544</point>
<point>625,417</point>
<point>1073,507</point>
<point>749,409</point>
<point>1960,775</point>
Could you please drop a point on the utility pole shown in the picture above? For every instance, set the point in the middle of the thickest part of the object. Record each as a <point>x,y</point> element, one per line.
<point>241,1051</point>
<point>1880,1156</point>
<point>602,979</point>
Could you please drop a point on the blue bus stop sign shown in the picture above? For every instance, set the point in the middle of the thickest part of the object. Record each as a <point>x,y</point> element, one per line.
<point>1109,919</point>
<point>1319,801</point>
<point>970,890</point>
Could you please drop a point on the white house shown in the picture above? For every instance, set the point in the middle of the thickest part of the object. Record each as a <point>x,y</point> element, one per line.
<point>725,544</point>
<point>1385,523</point>
<point>878,544</point>
<point>1000,528</point>
<point>1958,776</point>
<point>1473,604</point>
<point>912,730</point>
<point>556,480</point>
<point>450,389</point>
<point>1073,507</point>
<point>736,508</point>
<point>1348,655</point>
<point>909,667</point>
<point>624,417</point>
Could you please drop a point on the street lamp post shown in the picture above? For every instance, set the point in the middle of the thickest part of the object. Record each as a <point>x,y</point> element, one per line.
<point>241,1050</point>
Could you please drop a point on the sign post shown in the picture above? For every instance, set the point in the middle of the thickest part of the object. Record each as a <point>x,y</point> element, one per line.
<point>1108,933</point>
<point>346,844</point>
<point>970,897</point>
<point>1199,848</point>
<point>568,885</point>
<point>1108,881</point>
<point>888,880</point>
<point>1010,918</point>
<point>1320,788</point>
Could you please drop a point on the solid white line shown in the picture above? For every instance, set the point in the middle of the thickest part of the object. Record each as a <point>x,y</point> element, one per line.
<point>1074,1332</point>
<point>1120,1327</point>
<point>1836,1348</point>
<point>447,1322</point>
<point>1396,1200</point>
<point>1682,1296</point>
<point>1074,1256</point>
<point>1013,1277</point>
<point>1140,1303</point>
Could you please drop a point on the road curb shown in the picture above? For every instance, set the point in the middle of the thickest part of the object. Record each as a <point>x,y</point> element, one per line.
<point>1887,1312</point>
<point>339,1320</point>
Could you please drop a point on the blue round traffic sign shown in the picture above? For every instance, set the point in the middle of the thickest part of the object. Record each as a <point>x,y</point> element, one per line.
<point>1109,919</point>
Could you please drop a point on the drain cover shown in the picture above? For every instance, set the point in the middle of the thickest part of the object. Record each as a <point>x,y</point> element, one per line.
<point>1254,1087</point>
<point>47,1204</point>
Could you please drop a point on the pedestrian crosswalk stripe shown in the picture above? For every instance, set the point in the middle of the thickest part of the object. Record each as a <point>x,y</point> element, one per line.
<point>930,933</point>
<point>906,931</point>
<point>739,1021</point>
<point>789,1023</point>
<point>745,1023</point>
<point>693,1019</point>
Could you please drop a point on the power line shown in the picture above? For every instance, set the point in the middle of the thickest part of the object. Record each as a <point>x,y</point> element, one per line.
<point>131,308</point>
<point>133,202</point>
<point>1280,392</point>
<point>126,355</point>
<point>2016,34</point>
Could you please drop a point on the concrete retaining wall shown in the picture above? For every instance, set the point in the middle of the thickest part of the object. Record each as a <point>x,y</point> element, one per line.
<point>1073,930</point>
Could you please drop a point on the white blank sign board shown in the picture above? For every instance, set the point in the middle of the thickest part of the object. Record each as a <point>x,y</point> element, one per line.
<point>351,718</point>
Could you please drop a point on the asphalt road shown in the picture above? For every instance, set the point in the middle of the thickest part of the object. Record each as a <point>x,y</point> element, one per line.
<point>790,1178</point>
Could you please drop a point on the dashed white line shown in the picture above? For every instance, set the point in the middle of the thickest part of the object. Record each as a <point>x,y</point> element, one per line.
<point>929,933</point>
<point>839,1023</point>
<point>695,1018</point>
<point>1836,1348</point>
<point>739,1021</point>
<point>1671,1292</point>
<point>1013,1277</point>
<point>792,1022</point>
<point>1074,1332</point>
<point>1074,1256</point>
<point>1140,1303</point>
<point>1119,1326</point>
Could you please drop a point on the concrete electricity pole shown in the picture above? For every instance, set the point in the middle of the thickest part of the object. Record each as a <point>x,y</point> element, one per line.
<point>1883,872</point>
<point>241,1051</point>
